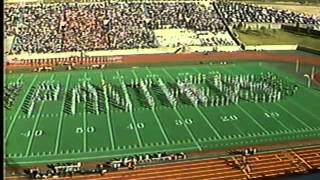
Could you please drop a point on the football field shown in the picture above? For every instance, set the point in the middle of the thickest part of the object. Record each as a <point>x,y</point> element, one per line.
<point>50,134</point>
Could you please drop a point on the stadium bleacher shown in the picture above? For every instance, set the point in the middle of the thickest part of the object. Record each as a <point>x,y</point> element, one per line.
<point>70,27</point>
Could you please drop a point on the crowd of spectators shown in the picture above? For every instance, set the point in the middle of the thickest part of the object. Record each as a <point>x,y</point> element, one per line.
<point>36,29</point>
<point>234,12</point>
<point>214,41</point>
<point>11,14</point>
<point>101,26</point>
<point>126,27</point>
<point>183,15</point>
<point>108,26</point>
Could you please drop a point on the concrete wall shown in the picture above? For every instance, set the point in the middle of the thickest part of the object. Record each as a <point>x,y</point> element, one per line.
<point>199,48</point>
<point>43,56</point>
<point>228,48</point>
<point>256,26</point>
<point>309,50</point>
<point>132,51</point>
<point>161,50</point>
<point>94,53</point>
<point>271,47</point>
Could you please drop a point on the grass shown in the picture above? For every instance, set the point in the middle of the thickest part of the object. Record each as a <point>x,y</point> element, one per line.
<point>115,133</point>
<point>278,37</point>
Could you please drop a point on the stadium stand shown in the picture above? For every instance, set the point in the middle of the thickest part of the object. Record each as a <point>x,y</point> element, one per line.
<point>69,27</point>
<point>234,12</point>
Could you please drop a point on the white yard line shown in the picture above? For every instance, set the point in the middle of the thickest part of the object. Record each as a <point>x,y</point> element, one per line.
<point>294,116</point>
<point>84,123</point>
<point>249,115</point>
<point>284,75</point>
<point>134,125</point>
<point>19,78</point>
<point>108,114</point>
<point>275,118</point>
<point>161,128</point>
<point>261,107</point>
<point>84,128</point>
<point>288,79</point>
<point>305,109</point>
<point>19,108</point>
<point>252,118</point>
<point>34,129</point>
<point>189,131</point>
<point>156,117</point>
<point>219,109</point>
<point>35,124</point>
<point>61,116</point>
<point>208,122</point>
<point>181,118</point>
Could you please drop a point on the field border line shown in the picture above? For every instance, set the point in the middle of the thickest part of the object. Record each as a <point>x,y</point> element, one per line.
<point>105,156</point>
<point>106,100</point>
<point>19,108</point>
<point>61,116</point>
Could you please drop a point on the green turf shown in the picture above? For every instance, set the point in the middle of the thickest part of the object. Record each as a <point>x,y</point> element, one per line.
<point>116,133</point>
<point>277,37</point>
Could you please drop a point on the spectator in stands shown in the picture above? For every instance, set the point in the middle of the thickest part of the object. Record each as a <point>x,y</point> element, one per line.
<point>235,12</point>
<point>105,26</point>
